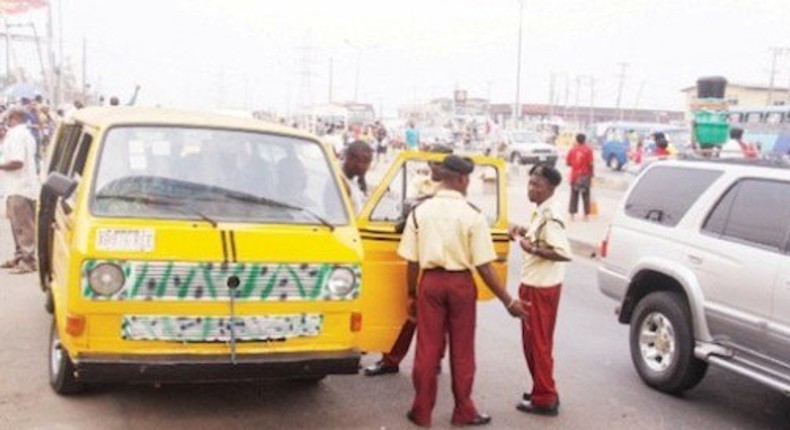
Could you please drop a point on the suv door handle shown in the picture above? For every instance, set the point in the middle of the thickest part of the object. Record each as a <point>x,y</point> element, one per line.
<point>693,259</point>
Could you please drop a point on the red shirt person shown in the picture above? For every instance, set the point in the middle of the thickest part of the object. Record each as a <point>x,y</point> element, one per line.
<point>580,160</point>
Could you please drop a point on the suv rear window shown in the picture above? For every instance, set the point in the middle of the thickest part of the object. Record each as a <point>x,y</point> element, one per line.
<point>755,211</point>
<point>663,195</point>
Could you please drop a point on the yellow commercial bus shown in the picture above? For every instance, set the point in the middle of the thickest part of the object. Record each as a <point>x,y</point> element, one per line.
<point>184,247</point>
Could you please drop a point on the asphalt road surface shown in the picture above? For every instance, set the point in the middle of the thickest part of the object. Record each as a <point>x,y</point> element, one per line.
<point>598,386</point>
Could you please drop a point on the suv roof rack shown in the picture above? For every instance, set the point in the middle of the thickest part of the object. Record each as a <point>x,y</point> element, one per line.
<point>765,160</point>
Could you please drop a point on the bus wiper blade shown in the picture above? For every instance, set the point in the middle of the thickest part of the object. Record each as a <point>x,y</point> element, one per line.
<point>158,201</point>
<point>266,201</point>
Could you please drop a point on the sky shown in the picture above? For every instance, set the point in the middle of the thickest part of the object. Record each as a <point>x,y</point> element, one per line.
<point>279,55</point>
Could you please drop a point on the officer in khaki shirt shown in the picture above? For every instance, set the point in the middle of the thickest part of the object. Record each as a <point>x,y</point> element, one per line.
<point>546,249</point>
<point>424,188</point>
<point>446,238</point>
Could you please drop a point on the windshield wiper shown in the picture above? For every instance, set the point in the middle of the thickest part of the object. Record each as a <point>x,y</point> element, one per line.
<point>265,201</point>
<point>157,201</point>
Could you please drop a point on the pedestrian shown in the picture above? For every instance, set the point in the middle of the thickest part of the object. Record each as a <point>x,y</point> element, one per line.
<point>662,145</point>
<point>412,137</point>
<point>22,187</point>
<point>546,249</point>
<point>424,188</point>
<point>736,147</point>
<point>114,101</point>
<point>580,159</point>
<point>446,238</point>
<point>355,166</point>
<point>381,145</point>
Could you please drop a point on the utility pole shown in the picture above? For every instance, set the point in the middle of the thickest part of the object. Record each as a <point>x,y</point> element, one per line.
<point>84,69</point>
<point>551,94</point>
<point>592,100</point>
<point>576,108</point>
<point>775,52</point>
<point>622,75</point>
<point>639,95</point>
<point>331,76</point>
<point>516,107</point>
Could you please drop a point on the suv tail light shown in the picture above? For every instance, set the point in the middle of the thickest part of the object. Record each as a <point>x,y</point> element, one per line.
<point>605,242</point>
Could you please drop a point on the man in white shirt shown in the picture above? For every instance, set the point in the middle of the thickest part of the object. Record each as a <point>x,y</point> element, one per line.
<point>22,187</point>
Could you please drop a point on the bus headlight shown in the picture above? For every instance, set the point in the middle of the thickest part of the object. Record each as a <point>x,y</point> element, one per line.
<point>106,279</point>
<point>341,281</point>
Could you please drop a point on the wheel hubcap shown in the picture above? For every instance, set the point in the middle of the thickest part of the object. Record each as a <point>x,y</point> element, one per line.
<point>657,342</point>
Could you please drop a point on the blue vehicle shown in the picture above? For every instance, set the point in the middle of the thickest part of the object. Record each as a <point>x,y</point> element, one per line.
<point>617,139</point>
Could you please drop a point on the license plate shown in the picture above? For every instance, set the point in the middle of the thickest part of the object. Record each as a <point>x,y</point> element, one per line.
<point>139,240</point>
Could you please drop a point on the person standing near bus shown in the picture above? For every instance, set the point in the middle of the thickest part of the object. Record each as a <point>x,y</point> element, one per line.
<point>446,238</point>
<point>412,137</point>
<point>546,250</point>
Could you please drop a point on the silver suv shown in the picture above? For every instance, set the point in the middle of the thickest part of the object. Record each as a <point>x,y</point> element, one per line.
<point>698,255</point>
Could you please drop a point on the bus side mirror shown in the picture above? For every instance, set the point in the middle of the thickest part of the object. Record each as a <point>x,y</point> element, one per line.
<point>60,185</point>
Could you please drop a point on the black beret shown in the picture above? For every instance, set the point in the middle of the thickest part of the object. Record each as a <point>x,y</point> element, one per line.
<point>462,165</point>
<point>548,172</point>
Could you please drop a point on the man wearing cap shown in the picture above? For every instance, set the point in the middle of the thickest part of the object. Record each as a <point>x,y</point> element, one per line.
<point>425,188</point>
<point>546,249</point>
<point>446,238</point>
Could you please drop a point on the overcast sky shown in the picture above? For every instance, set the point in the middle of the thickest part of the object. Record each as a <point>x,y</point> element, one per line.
<point>277,54</point>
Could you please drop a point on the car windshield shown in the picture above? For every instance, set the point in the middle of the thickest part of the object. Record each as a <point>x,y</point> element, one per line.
<point>526,137</point>
<point>216,175</point>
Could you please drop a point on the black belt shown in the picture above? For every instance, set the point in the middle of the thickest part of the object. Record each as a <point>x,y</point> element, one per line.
<point>442,269</point>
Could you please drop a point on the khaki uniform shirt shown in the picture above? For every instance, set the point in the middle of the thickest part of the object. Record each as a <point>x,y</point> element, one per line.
<point>547,230</point>
<point>447,232</point>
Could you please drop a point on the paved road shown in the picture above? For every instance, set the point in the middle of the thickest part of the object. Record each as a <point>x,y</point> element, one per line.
<point>599,387</point>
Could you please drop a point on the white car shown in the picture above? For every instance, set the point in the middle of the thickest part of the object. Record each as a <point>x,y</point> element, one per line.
<point>527,147</point>
<point>698,256</point>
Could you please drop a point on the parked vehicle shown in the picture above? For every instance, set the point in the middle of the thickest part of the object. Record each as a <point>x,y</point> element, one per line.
<point>619,138</point>
<point>180,247</point>
<point>698,256</point>
<point>527,147</point>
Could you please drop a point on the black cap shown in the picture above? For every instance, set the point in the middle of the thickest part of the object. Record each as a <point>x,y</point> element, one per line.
<point>551,174</point>
<point>462,165</point>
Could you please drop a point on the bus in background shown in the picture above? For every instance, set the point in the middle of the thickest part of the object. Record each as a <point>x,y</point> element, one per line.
<point>618,138</point>
<point>768,127</point>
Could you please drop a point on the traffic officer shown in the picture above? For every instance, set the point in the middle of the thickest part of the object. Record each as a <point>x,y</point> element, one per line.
<point>446,238</point>
<point>424,189</point>
<point>546,249</point>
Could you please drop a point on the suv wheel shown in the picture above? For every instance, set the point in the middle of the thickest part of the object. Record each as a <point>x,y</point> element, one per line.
<point>662,343</point>
<point>61,368</point>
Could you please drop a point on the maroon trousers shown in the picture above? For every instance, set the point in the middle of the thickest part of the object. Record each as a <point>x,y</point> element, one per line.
<point>446,304</point>
<point>537,333</point>
<point>401,345</point>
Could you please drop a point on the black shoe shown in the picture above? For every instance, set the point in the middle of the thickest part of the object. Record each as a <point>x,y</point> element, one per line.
<point>479,420</point>
<point>526,397</point>
<point>527,407</point>
<point>380,369</point>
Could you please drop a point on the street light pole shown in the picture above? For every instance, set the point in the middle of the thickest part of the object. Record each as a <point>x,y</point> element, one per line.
<point>516,110</point>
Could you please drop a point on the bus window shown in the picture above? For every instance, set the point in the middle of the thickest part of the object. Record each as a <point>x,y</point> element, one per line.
<point>774,117</point>
<point>753,117</point>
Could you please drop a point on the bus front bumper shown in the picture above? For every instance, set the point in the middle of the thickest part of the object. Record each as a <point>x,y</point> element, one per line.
<point>106,368</point>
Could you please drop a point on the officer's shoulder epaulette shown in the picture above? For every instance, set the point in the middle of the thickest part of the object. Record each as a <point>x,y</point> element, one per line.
<point>476,209</point>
